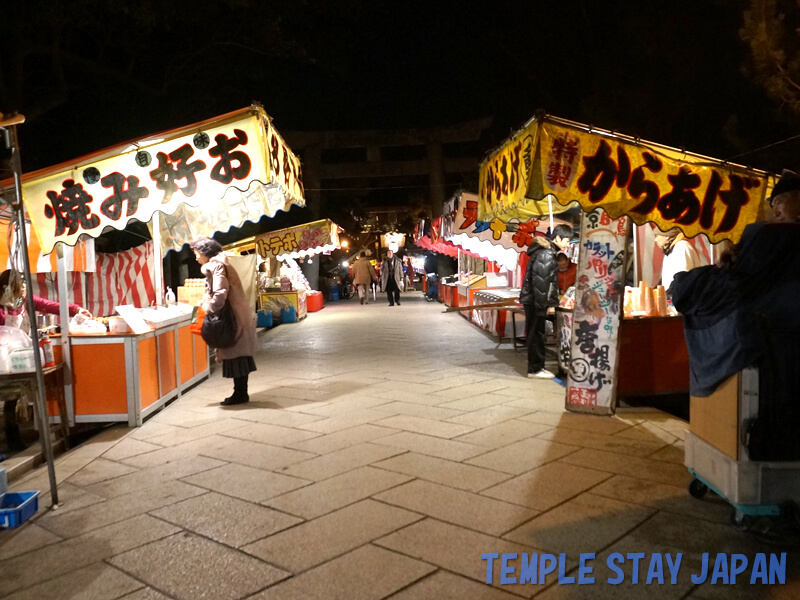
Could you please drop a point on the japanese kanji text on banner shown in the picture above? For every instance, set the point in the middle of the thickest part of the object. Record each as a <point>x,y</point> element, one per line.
<point>599,288</point>
<point>295,242</point>
<point>661,186</point>
<point>195,165</point>
<point>504,176</point>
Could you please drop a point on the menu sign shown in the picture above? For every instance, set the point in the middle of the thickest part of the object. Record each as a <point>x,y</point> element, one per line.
<point>599,288</point>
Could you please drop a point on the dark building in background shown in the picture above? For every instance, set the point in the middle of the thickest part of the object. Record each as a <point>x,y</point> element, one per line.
<point>384,179</point>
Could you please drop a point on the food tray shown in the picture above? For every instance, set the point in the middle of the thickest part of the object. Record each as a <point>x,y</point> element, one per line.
<point>18,507</point>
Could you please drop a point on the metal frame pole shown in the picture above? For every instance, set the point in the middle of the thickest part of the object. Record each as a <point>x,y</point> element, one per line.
<point>41,404</point>
<point>158,265</point>
<point>66,343</point>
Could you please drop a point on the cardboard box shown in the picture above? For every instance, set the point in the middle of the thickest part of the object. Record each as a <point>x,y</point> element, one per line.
<point>191,295</point>
<point>715,419</point>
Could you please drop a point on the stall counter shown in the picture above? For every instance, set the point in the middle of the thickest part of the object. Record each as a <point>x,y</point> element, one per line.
<point>496,320</point>
<point>653,358</point>
<point>297,298</point>
<point>126,377</point>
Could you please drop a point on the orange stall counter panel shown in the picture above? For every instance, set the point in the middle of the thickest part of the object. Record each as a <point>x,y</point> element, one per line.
<point>200,355</point>
<point>186,354</point>
<point>99,376</point>
<point>166,358</point>
<point>148,372</point>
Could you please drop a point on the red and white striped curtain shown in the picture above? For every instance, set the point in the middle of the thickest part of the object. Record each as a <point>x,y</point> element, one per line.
<point>120,278</point>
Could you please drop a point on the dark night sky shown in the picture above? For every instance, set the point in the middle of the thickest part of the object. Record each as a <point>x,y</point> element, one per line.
<point>91,73</point>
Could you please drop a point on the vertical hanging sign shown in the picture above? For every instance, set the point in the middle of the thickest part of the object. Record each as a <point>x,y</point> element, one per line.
<point>600,285</point>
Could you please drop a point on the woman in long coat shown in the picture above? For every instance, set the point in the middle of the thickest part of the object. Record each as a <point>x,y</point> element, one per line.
<point>223,283</point>
<point>363,276</point>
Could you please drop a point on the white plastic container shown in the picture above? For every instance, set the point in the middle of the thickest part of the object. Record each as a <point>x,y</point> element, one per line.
<point>4,366</point>
<point>20,360</point>
<point>118,325</point>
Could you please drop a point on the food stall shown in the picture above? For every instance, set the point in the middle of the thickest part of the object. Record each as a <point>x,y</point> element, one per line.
<point>618,180</point>
<point>142,370</point>
<point>428,236</point>
<point>503,246</point>
<point>188,182</point>
<point>289,245</point>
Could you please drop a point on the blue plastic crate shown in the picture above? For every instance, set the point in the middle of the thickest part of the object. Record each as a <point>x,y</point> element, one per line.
<point>288,314</point>
<point>18,507</point>
<point>264,318</point>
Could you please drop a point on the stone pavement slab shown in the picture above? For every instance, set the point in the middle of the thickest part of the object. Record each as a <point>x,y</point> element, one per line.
<point>319,540</point>
<point>458,507</point>
<point>187,566</point>
<point>369,573</point>
<point>247,483</point>
<point>95,582</point>
<point>224,519</point>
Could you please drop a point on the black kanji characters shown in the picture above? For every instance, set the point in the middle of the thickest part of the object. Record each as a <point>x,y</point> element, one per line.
<point>224,171</point>
<point>599,358</point>
<point>174,167</point>
<point>585,336</point>
<point>71,209</point>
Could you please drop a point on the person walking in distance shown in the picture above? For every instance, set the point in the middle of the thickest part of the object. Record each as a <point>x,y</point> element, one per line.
<point>363,276</point>
<point>392,278</point>
<point>539,292</point>
<point>223,283</point>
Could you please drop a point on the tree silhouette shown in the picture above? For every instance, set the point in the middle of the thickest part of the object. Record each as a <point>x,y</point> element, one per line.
<point>771,28</point>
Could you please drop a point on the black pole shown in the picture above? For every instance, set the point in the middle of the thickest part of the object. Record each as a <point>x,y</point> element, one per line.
<point>41,402</point>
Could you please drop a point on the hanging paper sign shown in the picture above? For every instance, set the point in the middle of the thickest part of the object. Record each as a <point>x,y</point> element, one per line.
<point>504,176</point>
<point>195,166</point>
<point>296,242</point>
<point>658,185</point>
<point>600,285</point>
<point>393,240</point>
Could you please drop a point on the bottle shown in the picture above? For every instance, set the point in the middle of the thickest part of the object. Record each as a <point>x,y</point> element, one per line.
<point>46,344</point>
<point>170,297</point>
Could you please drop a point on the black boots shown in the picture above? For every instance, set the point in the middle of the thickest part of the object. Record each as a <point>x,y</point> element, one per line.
<point>239,392</point>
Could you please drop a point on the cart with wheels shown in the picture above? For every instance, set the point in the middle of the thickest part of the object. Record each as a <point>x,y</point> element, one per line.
<point>717,455</point>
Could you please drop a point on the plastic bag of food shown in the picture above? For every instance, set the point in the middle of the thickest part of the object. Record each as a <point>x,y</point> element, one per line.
<point>14,337</point>
<point>83,324</point>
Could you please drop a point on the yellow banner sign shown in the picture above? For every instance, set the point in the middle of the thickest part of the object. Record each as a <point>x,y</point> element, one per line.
<point>504,177</point>
<point>303,240</point>
<point>194,165</point>
<point>649,185</point>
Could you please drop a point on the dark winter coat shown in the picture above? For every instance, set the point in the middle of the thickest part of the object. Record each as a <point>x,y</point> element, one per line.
<point>736,317</point>
<point>540,286</point>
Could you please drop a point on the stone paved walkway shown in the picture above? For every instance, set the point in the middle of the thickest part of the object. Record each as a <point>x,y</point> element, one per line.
<point>383,450</point>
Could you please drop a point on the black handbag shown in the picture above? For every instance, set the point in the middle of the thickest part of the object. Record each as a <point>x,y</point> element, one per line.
<point>219,330</point>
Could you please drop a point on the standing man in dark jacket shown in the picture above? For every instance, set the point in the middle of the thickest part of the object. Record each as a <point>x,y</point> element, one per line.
<point>539,292</point>
<point>392,278</point>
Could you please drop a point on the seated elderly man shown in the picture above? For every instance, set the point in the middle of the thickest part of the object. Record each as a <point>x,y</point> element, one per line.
<point>746,313</point>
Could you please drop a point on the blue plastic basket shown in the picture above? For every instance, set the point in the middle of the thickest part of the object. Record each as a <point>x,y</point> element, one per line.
<point>18,507</point>
<point>288,314</point>
<point>264,318</point>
